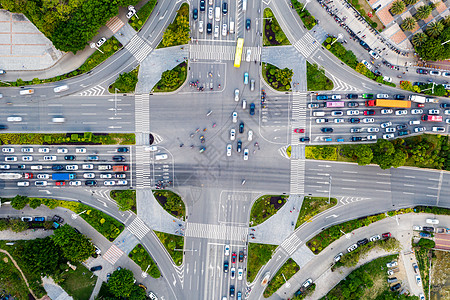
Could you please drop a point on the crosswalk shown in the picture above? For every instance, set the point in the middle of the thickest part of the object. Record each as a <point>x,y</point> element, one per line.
<point>142,113</point>
<point>113,254</point>
<point>299,107</point>
<point>306,45</point>
<point>114,24</point>
<point>221,52</point>
<point>297,176</point>
<point>143,179</point>
<point>97,90</point>
<point>138,228</point>
<point>218,232</point>
<point>139,48</point>
<point>291,244</point>
<point>297,151</point>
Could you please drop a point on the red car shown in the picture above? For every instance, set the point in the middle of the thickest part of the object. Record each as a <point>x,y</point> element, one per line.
<point>28,175</point>
<point>420,105</point>
<point>298,130</point>
<point>369,112</point>
<point>60,183</point>
<point>233,258</point>
<point>386,235</point>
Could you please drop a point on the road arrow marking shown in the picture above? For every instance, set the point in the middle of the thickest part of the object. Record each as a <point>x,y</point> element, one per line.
<point>332,216</point>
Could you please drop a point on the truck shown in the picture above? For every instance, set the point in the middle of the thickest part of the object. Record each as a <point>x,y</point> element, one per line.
<point>26,92</point>
<point>417,98</point>
<point>120,168</point>
<point>104,167</point>
<point>431,118</point>
<point>63,176</point>
<point>388,103</point>
<point>4,176</point>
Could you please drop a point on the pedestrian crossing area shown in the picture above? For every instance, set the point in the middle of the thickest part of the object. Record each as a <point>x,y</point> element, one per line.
<point>221,52</point>
<point>97,90</point>
<point>156,138</point>
<point>291,244</point>
<point>340,85</point>
<point>114,24</point>
<point>217,232</point>
<point>113,254</point>
<point>138,228</point>
<point>306,45</point>
<point>139,48</point>
<point>143,179</point>
<point>297,176</point>
<point>142,113</point>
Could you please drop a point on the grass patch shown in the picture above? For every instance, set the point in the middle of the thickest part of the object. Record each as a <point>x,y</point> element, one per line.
<point>126,199</point>
<point>67,139</point>
<point>424,256</point>
<point>11,281</point>
<point>172,242</point>
<point>171,202</point>
<point>78,283</point>
<point>171,80</point>
<point>126,83</point>
<point>143,15</point>
<point>279,79</point>
<point>265,207</point>
<point>177,33</point>
<point>362,7</point>
<point>301,294</point>
<point>273,35</point>
<point>316,79</point>
<point>141,257</point>
<point>313,206</point>
<point>258,256</point>
<point>308,20</point>
<point>289,268</point>
<point>321,152</point>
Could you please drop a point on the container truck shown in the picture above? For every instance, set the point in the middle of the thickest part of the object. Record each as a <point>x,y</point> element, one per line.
<point>431,118</point>
<point>120,168</point>
<point>417,98</point>
<point>63,176</point>
<point>10,176</point>
<point>388,103</point>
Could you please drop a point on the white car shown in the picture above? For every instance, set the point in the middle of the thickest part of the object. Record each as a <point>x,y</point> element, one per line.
<point>109,182</point>
<point>335,97</point>
<point>43,176</point>
<point>382,96</point>
<point>352,112</point>
<point>313,105</point>
<point>5,167</point>
<point>374,55</point>
<point>27,158</point>
<point>418,280</point>
<point>417,228</point>
<point>122,182</point>
<point>246,154</point>
<point>27,150</point>
<point>390,129</point>
<point>447,112</point>
<point>373,129</point>
<point>87,167</point>
<point>236,95</point>
<point>229,148</point>
<point>368,66</point>
<point>322,120</point>
<point>446,74</point>
<point>240,273</point>
<point>8,150</point>
<point>447,121</point>
<point>432,221</point>
<point>250,135</point>
<point>416,111</point>
<point>89,175</point>
<point>23,183</point>
<point>210,13</point>
<point>227,250</point>
<point>200,26</point>
<point>435,73</point>
<point>352,247</point>
<point>43,150</point>
<point>374,238</point>
<point>438,129</point>
<point>339,120</point>
<point>216,31</point>
<point>386,124</point>
<point>386,111</point>
<point>368,120</point>
<point>232,134</point>
<point>40,183</point>
<point>248,56</point>
<point>337,113</point>
<point>401,112</point>
<point>14,119</point>
<point>71,167</point>
<point>10,158</point>
<point>371,137</point>
<point>433,111</point>
<point>80,150</point>
<point>101,41</point>
<point>49,157</point>
<point>224,29</point>
<point>105,176</point>
<point>419,129</point>
<point>62,150</point>
<point>388,136</point>
<point>232,272</point>
<point>75,183</point>
<point>392,264</point>
<point>234,116</point>
<point>338,257</point>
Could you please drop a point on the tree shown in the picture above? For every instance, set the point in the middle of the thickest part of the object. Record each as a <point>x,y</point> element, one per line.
<point>126,199</point>
<point>434,29</point>
<point>398,159</point>
<point>423,12</point>
<point>19,202</point>
<point>411,2</point>
<point>284,76</point>
<point>170,78</point>
<point>408,24</point>
<point>398,7</point>
<point>41,256</point>
<point>35,203</point>
<point>364,154</point>
<point>382,153</point>
<point>75,246</point>
<point>4,224</point>
<point>137,293</point>
<point>419,38</point>
<point>406,85</point>
<point>431,49</point>
<point>426,243</point>
<point>121,283</point>
<point>18,225</point>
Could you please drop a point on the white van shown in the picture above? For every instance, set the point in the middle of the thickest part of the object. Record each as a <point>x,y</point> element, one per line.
<point>244,104</point>
<point>61,88</point>
<point>231,26</point>
<point>161,156</point>
<point>244,5</point>
<point>26,92</point>
<point>217,13</point>
<point>36,167</point>
<point>415,122</point>
<point>23,183</point>
<point>58,120</point>
<point>318,114</point>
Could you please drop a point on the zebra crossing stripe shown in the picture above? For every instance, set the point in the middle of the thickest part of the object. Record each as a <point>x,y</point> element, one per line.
<point>143,178</point>
<point>139,48</point>
<point>221,52</point>
<point>138,228</point>
<point>142,113</point>
<point>113,254</point>
<point>218,232</point>
<point>114,24</point>
<point>306,45</point>
<point>291,243</point>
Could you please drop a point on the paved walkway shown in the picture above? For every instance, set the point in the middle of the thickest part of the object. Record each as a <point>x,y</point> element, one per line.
<point>54,291</point>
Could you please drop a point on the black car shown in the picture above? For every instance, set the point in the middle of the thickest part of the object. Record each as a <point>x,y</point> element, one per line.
<point>69,157</point>
<point>90,182</point>
<point>418,83</point>
<point>399,97</point>
<point>364,45</point>
<point>401,126</point>
<point>118,158</point>
<point>363,242</point>
<point>239,146</point>
<point>232,291</point>
<point>326,129</point>
<point>241,127</point>
<point>225,266</point>
<point>209,28</point>
<point>356,139</point>
<point>58,219</point>
<point>248,23</point>
<point>241,256</point>
<point>96,268</point>
<point>352,104</point>
<point>252,109</point>
<point>422,71</point>
<point>352,96</point>
<point>396,287</point>
<point>195,14</point>
<point>57,167</point>
<point>428,228</point>
<point>122,149</point>
<point>21,167</point>
<point>304,139</point>
<point>403,132</point>
<point>225,8</point>
<point>3,127</point>
<point>354,120</point>
<point>202,5</point>
<point>445,105</point>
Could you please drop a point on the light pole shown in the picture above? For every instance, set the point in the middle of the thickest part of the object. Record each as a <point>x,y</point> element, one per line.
<point>329,192</point>
<point>307,1</point>
<point>74,216</point>
<point>94,46</point>
<point>445,42</point>
<point>340,36</point>
<point>144,274</point>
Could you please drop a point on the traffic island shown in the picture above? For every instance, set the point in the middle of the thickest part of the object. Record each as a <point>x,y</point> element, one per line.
<point>286,271</point>
<point>265,207</point>
<point>141,257</point>
<point>125,83</point>
<point>316,79</point>
<point>125,199</point>
<point>312,206</point>
<point>177,33</point>
<point>171,203</point>
<point>278,79</point>
<point>273,35</point>
<point>258,256</point>
<point>171,80</point>
<point>174,245</point>
<point>142,15</point>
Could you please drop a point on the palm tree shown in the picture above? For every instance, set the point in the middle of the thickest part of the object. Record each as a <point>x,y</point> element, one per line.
<point>446,20</point>
<point>408,24</point>
<point>423,12</point>
<point>411,2</point>
<point>398,7</point>
<point>419,39</point>
<point>434,29</point>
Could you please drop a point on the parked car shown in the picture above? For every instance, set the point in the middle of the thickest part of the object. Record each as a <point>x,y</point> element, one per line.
<point>392,264</point>
<point>352,247</point>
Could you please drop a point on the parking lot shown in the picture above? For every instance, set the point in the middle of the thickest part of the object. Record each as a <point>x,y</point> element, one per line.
<point>65,166</point>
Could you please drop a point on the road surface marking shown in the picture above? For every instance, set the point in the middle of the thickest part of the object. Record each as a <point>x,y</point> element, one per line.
<point>382,191</point>
<point>348,188</point>
<point>89,114</point>
<point>432,196</point>
<point>350,172</point>
<point>384,174</point>
<point>383,182</point>
<point>407,176</point>
<point>348,179</point>
<point>432,187</point>
<point>408,193</point>
<point>88,104</point>
<point>408,184</point>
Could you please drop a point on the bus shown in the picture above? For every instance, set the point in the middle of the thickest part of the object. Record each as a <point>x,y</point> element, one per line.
<point>334,104</point>
<point>431,118</point>
<point>238,56</point>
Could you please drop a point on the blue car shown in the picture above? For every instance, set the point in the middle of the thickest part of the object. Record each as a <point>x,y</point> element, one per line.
<point>321,97</point>
<point>57,167</point>
<point>252,109</point>
<point>245,78</point>
<point>195,14</point>
<point>39,219</point>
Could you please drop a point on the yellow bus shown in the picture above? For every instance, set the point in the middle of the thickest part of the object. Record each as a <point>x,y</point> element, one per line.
<point>238,56</point>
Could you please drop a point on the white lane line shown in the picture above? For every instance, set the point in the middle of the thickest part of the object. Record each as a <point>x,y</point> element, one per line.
<point>314,186</point>
<point>353,180</point>
<point>314,177</point>
<point>407,193</point>
<point>321,191</point>
<point>382,191</point>
<point>88,104</point>
<point>407,176</point>
<point>383,174</point>
<point>322,182</point>
<point>89,114</point>
<point>379,182</point>
<point>349,172</point>
<point>432,196</point>
<point>432,187</point>
<point>55,105</point>
<point>315,169</point>
<point>408,184</point>
<point>322,174</point>
<point>348,189</point>
<point>87,123</point>
<point>435,179</point>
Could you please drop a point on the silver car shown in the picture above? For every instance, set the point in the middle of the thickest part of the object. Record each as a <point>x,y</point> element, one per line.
<point>386,124</point>
<point>416,111</point>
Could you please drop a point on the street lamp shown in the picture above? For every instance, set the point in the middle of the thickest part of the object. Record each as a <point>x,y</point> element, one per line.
<point>340,36</point>
<point>94,46</point>
<point>307,1</point>
<point>329,192</point>
<point>74,216</point>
